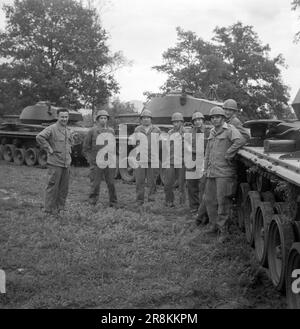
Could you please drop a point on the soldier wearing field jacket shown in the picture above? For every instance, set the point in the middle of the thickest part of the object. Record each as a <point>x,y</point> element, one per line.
<point>91,149</point>
<point>148,129</point>
<point>230,107</point>
<point>172,173</point>
<point>57,140</point>
<point>196,184</point>
<point>220,170</point>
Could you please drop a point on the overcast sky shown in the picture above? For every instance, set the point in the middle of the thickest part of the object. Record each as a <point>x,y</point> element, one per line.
<point>144,29</point>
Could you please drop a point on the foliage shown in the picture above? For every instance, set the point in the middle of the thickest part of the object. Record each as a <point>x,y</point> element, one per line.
<point>236,62</point>
<point>295,6</point>
<point>55,50</point>
<point>114,108</point>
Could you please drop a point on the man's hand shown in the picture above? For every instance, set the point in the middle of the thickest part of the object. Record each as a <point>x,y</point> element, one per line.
<point>50,150</point>
<point>229,159</point>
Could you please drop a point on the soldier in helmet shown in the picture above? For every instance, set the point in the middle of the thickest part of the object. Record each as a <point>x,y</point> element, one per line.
<point>151,174</point>
<point>172,172</point>
<point>195,186</point>
<point>220,171</point>
<point>91,149</point>
<point>231,109</point>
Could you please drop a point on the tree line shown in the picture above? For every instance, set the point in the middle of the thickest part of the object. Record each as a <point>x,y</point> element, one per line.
<point>57,50</point>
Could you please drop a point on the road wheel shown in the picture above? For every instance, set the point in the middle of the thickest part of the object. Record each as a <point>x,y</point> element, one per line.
<point>296,226</point>
<point>281,208</point>
<point>127,174</point>
<point>8,152</point>
<point>252,202</point>
<point>263,217</point>
<point>42,158</point>
<point>242,194</point>
<point>19,156</point>
<point>31,157</point>
<point>293,299</point>
<point>280,239</point>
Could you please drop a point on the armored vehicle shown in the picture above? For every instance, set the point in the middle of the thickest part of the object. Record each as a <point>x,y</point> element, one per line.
<point>269,197</point>
<point>17,135</point>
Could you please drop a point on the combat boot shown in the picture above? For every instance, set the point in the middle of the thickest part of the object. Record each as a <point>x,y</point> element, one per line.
<point>212,230</point>
<point>223,235</point>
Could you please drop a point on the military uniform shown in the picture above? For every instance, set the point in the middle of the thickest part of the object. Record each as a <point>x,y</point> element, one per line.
<point>235,121</point>
<point>172,172</point>
<point>58,138</point>
<point>90,149</point>
<point>150,173</point>
<point>221,173</point>
<point>195,186</point>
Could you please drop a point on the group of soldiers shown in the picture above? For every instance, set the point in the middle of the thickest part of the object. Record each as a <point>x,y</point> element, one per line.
<point>210,195</point>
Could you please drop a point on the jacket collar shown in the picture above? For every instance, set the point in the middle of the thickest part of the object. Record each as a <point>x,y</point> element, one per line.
<point>213,132</point>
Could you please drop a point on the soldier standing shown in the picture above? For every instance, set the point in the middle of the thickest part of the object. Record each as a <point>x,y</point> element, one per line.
<point>223,143</point>
<point>196,186</point>
<point>172,172</point>
<point>57,140</point>
<point>151,174</point>
<point>231,109</point>
<point>91,149</point>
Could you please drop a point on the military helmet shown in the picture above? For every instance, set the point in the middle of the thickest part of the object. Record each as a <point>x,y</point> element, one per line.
<point>217,110</point>
<point>230,104</point>
<point>197,115</point>
<point>146,113</point>
<point>102,113</point>
<point>177,116</point>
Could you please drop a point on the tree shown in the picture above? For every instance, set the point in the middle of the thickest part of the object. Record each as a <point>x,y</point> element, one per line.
<point>236,62</point>
<point>193,64</point>
<point>55,50</point>
<point>295,6</point>
<point>253,78</point>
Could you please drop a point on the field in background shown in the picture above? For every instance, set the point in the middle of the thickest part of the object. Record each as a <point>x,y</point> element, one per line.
<point>117,258</point>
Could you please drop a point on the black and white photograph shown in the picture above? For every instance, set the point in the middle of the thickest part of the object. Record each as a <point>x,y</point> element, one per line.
<point>149,157</point>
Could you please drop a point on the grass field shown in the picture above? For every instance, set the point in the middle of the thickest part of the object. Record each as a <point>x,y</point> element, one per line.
<point>117,258</point>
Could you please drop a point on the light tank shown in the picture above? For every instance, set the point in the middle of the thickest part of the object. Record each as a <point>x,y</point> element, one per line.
<point>17,136</point>
<point>268,199</point>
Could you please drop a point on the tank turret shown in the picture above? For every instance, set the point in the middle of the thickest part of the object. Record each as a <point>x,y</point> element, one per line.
<point>162,107</point>
<point>44,112</point>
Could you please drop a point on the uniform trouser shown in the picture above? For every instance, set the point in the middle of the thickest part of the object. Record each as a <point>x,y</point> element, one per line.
<point>140,175</point>
<point>171,174</point>
<point>57,187</point>
<point>195,189</point>
<point>218,196</point>
<point>96,176</point>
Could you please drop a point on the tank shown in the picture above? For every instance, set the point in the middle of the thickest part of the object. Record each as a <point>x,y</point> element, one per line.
<point>268,199</point>
<point>162,108</point>
<point>17,135</point>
